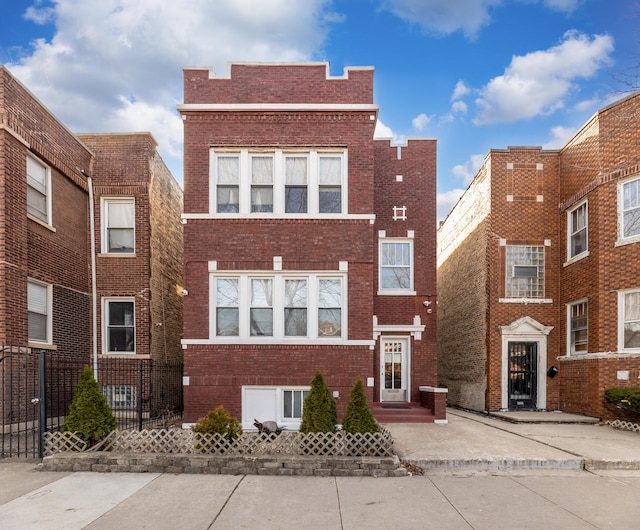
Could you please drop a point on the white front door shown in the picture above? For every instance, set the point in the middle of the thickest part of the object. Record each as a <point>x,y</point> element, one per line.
<point>394,368</point>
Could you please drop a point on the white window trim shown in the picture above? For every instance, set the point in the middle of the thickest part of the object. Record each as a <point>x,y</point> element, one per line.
<point>244,278</point>
<point>570,232</point>
<point>105,324</point>
<point>396,292</point>
<point>569,345</point>
<point>104,224</point>
<point>49,220</point>
<point>279,155</point>
<point>621,295</point>
<point>49,314</point>
<point>289,423</point>
<point>624,240</point>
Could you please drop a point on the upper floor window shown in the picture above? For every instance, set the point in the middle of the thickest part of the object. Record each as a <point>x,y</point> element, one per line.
<point>577,231</point>
<point>629,208</point>
<point>282,306</point>
<point>278,182</point>
<point>38,190</point>
<point>578,326</point>
<point>525,272</point>
<point>629,326</point>
<point>39,311</point>
<point>396,266</point>
<point>118,225</point>
<point>119,328</point>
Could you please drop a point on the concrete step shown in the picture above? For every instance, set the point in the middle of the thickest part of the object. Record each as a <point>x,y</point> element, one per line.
<point>401,413</point>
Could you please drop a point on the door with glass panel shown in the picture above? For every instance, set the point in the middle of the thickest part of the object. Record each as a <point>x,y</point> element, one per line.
<point>394,369</point>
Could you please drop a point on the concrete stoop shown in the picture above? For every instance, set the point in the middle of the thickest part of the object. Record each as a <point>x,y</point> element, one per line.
<point>106,462</point>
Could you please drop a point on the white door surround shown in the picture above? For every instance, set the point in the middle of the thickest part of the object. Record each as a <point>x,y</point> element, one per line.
<point>525,329</point>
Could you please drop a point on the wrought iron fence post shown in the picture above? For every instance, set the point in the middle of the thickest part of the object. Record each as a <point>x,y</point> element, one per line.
<point>140,378</point>
<point>42,401</point>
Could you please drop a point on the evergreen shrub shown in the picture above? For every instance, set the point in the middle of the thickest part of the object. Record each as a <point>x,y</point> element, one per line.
<point>319,413</point>
<point>624,402</point>
<point>219,421</point>
<point>90,416</point>
<point>358,418</point>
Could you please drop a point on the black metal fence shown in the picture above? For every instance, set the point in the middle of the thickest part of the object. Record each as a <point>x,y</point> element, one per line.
<point>37,387</point>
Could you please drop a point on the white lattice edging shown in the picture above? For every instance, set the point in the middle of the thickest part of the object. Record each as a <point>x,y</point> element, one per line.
<point>624,425</point>
<point>184,441</point>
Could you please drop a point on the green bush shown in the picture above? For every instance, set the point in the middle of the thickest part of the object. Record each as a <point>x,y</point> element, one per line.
<point>90,416</point>
<point>623,402</point>
<point>319,413</point>
<point>358,417</point>
<point>219,421</point>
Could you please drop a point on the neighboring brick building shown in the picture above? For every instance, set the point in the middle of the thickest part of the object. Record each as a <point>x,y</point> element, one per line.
<point>47,178</point>
<point>308,245</point>
<point>539,273</point>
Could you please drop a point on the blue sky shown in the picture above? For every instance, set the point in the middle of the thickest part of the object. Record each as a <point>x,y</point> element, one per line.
<point>475,74</point>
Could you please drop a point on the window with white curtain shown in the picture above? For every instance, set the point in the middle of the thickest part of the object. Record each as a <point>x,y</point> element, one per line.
<point>577,231</point>
<point>118,222</point>
<point>629,209</point>
<point>281,181</point>
<point>629,318</point>
<point>39,311</point>
<point>38,190</point>
<point>282,306</point>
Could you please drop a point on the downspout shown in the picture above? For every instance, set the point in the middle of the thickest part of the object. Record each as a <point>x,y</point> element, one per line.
<point>94,294</point>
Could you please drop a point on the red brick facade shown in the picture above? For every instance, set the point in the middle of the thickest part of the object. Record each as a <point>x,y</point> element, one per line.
<point>55,252</point>
<point>532,197</point>
<point>280,112</point>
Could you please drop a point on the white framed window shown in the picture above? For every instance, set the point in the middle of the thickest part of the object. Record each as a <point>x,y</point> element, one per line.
<point>524,271</point>
<point>38,189</point>
<point>285,307</point>
<point>293,403</point>
<point>629,209</point>
<point>120,397</point>
<point>629,320</point>
<point>39,311</point>
<point>119,330</point>
<point>577,231</point>
<point>279,182</point>
<point>395,275</point>
<point>118,225</point>
<point>282,404</point>
<point>577,327</point>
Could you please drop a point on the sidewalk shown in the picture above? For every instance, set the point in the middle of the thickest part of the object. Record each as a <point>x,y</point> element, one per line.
<point>476,442</point>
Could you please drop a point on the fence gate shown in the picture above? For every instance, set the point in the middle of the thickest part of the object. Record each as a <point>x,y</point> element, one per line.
<point>37,388</point>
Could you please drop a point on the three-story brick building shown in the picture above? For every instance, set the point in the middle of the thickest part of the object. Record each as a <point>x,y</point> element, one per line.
<point>308,244</point>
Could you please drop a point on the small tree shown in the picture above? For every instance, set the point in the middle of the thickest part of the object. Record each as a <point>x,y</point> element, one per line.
<point>219,421</point>
<point>319,413</point>
<point>90,416</point>
<point>358,417</point>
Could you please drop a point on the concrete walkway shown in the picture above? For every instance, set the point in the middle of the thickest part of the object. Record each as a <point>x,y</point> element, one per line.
<point>475,442</point>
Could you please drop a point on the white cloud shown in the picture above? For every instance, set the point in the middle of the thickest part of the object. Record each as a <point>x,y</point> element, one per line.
<point>444,16</point>
<point>420,122</point>
<point>565,6</point>
<point>467,171</point>
<point>459,107</point>
<point>559,136</point>
<point>382,131</point>
<point>460,91</point>
<point>539,83</point>
<point>446,201</point>
<point>114,66</point>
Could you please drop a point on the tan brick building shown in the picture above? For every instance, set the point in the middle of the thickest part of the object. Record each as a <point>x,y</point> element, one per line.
<point>96,286</point>
<point>539,273</point>
<point>308,245</point>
